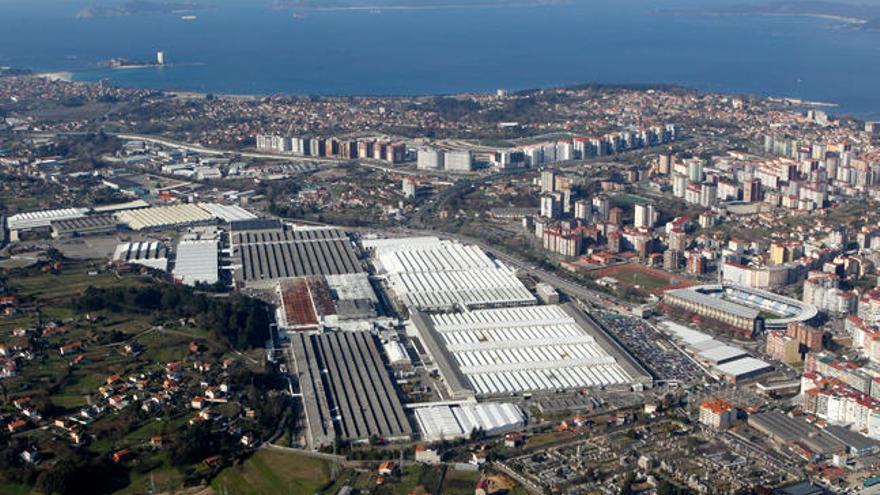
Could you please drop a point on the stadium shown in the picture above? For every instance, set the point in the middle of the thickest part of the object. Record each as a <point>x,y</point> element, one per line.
<point>742,307</point>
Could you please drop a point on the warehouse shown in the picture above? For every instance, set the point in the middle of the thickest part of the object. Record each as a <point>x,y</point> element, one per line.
<point>131,205</point>
<point>448,422</point>
<point>429,274</point>
<point>743,369</point>
<point>786,430</point>
<point>262,257</point>
<point>721,354</point>
<point>198,260</point>
<point>495,352</point>
<point>40,220</point>
<point>346,389</point>
<point>227,213</point>
<point>149,254</point>
<point>90,225</point>
<point>313,303</point>
<point>164,216</point>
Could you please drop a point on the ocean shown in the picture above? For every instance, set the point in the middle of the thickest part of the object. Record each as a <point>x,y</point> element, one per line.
<point>247,47</point>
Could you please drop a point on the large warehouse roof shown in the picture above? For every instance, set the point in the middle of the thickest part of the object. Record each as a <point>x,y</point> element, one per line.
<point>227,213</point>
<point>197,261</point>
<point>448,422</point>
<point>427,273</point>
<point>35,219</point>
<point>265,256</point>
<point>526,349</point>
<point>743,367</point>
<point>150,254</point>
<point>785,429</point>
<point>347,391</point>
<point>163,216</point>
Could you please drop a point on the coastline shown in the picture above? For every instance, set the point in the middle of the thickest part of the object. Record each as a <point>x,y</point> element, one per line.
<point>66,76</point>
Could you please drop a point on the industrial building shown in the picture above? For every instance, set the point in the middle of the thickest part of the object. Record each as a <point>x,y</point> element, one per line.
<point>164,216</point>
<point>130,205</point>
<point>448,422</point>
<point>198,259</point>
<point>787,430</point>
<point>89,225</point>
<point>726,361</point>
<point>319,302</point>
<point>39,220</point>
<point>426,273</point>
<point>262,256</point>
<point>495,352</point>
<point>346,389</point>
<point>227,213</point>
<point>150,254</point>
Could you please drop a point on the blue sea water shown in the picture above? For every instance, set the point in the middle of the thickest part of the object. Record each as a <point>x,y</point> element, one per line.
<point>246,47</point>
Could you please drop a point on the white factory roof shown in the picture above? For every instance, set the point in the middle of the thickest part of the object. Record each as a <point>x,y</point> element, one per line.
<point>743,366</point>
<point>396,352</point>
<point>149,254</point>
<point>227,213</point>
<point>446,422</point>
<point>516,350</point>
<point>722,353</point>
<point>163,216</point>
<point>35,219</point>
<point>351,286</point>
<point>427,273</point>
<point>197,261</point>
<point>687,335</point>
<point>131,205</point>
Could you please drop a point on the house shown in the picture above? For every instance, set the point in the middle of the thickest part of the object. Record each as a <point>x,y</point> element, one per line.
<point>30,456</point>
<point>16,426</point>
<point>156,441</point>
<point>214,460</point>
<point>122,456</point>
<point>118,401</point>
<point>247,440</point>
<point>77,437</point>
<point>386,468</point>
<point>21,403</point>
<point>478,458</point>
<point>514,439</point>
<point>4,350</point>
<point>426,455</point>
<point>197,402</point>
<point>71,348</point>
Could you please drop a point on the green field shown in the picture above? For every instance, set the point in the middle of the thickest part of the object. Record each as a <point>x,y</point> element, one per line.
<point>274,473</point>
<point>643,280</point>
<point>622,200</point>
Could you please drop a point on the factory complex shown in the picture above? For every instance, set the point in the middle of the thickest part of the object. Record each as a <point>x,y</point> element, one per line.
<point>427,273</point>
<point>495,352</point>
